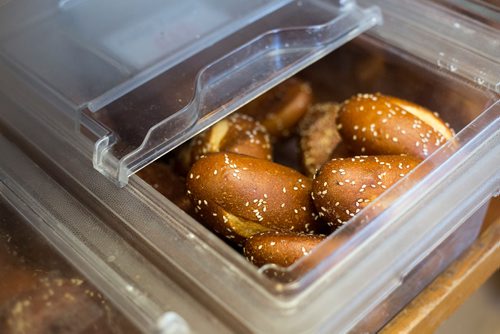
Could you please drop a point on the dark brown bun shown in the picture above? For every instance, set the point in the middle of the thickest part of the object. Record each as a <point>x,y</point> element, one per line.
<point>280,109</point>
<point>162,177</point>
<point>429,117</point>
<point>319,138</point>
<point>376,124</point>
<point>237,133</point>
<point>343,187</point>
<point>280,248</point>
<point>238,196</point>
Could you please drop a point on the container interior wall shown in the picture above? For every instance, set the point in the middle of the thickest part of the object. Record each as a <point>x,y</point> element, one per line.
<point>367,65</point>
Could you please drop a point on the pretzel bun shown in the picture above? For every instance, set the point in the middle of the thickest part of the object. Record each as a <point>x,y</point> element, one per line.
<point>280,248</point>
<point>162,177</point>
<point>343,187</point>
<point>319,138</point>
<point>238,196</point>
<point>429,117</point>
<point>377,124</point>
<point>237,133</point>
<point>281,108</point>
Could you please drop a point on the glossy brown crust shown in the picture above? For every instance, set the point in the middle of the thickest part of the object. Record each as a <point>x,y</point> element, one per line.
<point>319,138</point>
<point>162,177</point>
<point>343,187</point>
<point>429,117</point>
<point>280,248</point>
<point>237,133</point>
<point>374,124</point>
<point>238,196</point>
<point>280,109</point>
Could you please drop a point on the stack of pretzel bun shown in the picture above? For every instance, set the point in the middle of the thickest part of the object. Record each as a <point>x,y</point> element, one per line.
<point>350,152</point>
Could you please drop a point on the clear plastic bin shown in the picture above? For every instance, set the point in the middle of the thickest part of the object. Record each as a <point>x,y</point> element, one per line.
<point>164,270</point>
<point>41,293</point>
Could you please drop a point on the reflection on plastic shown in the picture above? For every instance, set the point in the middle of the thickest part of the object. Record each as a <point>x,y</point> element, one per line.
<point>172,323</point>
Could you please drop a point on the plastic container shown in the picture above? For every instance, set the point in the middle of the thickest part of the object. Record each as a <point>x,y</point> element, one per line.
<point>40,292</point>
<point>165,271</point>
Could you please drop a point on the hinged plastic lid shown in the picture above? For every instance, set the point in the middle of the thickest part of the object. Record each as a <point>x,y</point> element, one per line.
<point>143,76</point>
